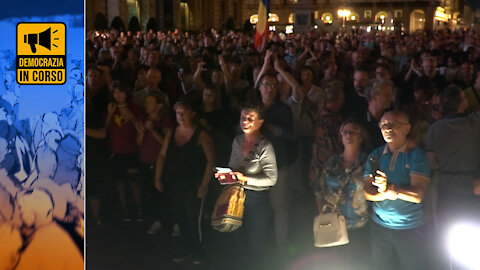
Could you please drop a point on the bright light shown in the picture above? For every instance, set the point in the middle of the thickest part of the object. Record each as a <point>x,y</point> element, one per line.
<point>353,18</point>
<point>344,12</point>
<point>327,18</point>
<point>369,28</point>
<point>379,27</point>
<point>272,17</point>
<point>254,19</point>
<point>289,29</point>
<point>271,28</point>
<point>382,17</point>
<point>464,243</point>
<point>316,26</point>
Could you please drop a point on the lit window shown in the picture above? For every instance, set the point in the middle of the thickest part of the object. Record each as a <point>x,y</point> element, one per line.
<point>289,29</point>
<point>291,18</point>
<point>367,14</point>
<point>272,17</point>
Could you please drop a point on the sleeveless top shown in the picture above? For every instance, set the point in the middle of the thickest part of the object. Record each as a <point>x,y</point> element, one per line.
<point>184,165</point>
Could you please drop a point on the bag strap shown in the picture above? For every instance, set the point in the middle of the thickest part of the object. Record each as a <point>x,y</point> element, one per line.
<point>249,157</point>
<point>340,191</point>
<point>251,154</point>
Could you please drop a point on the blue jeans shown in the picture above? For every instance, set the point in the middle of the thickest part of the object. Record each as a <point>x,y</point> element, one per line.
<point>399,249</point>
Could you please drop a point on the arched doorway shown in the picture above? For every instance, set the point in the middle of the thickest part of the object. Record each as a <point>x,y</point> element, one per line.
<point>327,18</point>
<point>417,20</point>
<point>381,17</point>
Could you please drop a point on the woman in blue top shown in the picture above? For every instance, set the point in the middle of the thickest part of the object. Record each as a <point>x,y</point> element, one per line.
<point>340,187</point>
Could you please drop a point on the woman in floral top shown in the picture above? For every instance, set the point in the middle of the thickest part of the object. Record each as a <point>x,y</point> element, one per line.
<point>340,188</point>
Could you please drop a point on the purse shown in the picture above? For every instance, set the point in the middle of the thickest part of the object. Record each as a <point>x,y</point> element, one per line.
<point>228,212</point>
<point>330,228</point>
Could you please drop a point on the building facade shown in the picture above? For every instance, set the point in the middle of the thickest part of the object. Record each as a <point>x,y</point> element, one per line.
<point>198,15</point>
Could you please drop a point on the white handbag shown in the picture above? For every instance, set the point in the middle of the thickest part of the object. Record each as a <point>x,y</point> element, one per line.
<point>330,227</point>
<point>329,230</point>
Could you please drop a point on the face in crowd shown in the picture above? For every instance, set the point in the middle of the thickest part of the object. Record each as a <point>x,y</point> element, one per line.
<point>119,96</point>
<point>250,121</point>
<point>183,114</point>
<point>268,89</point>
<point>351,136</point>
<point>395,127</point>
<point>360,81</point>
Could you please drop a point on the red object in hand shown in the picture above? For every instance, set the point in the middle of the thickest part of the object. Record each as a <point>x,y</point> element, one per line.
<point>226,178</point>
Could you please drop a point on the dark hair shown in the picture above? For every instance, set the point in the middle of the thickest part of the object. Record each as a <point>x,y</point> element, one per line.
<point>426,84</point>
<point>267,74</point>
<point>362,68</point>
<point>451,98</point>
<point>158,97</point>
<point>91,68</point>
<point>217,103</point>
<point>122,87</point>
<point>140,67</point>
<point>253,107</point>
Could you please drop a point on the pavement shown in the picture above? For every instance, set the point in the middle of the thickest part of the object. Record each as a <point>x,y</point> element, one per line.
<point>120,245</point>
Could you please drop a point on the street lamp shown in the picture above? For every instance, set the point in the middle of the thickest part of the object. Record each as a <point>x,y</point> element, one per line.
<point>344,13</point>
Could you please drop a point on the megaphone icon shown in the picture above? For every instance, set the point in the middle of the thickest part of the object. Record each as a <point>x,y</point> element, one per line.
<point>42,39</point>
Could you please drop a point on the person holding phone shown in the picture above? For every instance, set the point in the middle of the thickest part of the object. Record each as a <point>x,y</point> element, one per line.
<point>398,236</point>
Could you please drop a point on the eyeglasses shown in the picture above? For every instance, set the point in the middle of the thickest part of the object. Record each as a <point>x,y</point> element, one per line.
<point>391,125</point>
<point>270,85</point>
<point>349,132</point>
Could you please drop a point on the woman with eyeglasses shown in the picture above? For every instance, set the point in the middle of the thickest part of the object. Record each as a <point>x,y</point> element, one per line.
<point>340,187</point>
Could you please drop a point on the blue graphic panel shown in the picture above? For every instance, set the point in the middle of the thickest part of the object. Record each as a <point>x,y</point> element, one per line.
<point>41,148</point>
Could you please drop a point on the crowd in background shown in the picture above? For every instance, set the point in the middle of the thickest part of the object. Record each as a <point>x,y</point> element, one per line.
<point>163,108</point>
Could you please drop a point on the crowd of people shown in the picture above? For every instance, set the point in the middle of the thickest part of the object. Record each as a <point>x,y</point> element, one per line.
<point>302,114</point>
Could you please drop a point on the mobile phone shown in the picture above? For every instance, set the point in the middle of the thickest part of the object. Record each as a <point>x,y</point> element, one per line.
<point>374,165</point>
<point>222,170</point>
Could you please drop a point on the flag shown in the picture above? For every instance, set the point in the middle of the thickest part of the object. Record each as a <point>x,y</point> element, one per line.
<point>262,23</point>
